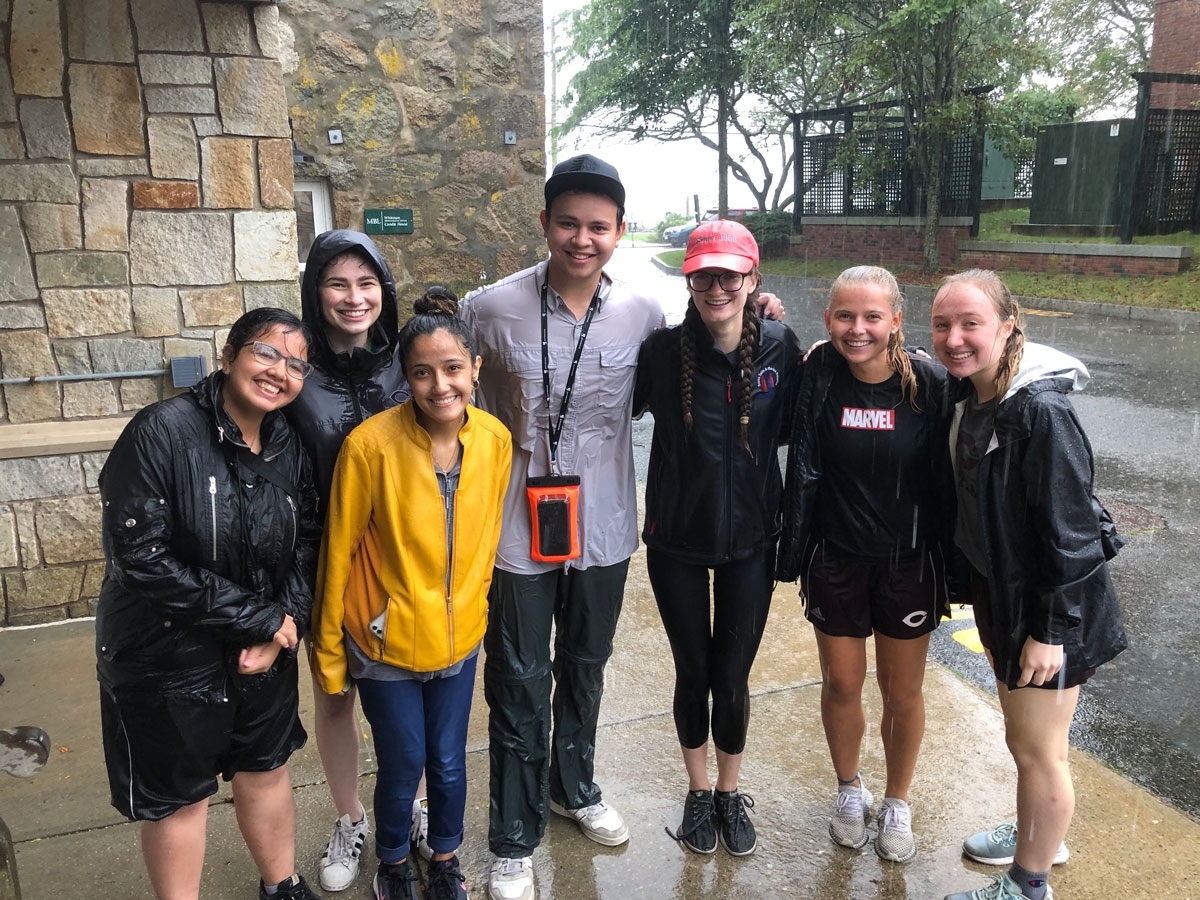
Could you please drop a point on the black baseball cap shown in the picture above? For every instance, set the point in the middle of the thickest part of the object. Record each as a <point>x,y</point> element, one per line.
<point>588,174</point>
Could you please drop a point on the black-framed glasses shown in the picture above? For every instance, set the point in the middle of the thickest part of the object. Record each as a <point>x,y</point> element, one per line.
<point>268,356</point>
<point>703,281</point>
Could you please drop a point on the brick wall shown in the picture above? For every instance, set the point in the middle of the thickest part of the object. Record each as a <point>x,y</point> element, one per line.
<point>877,244</point>
<point>1069,264</point>
<point>1176,48</point>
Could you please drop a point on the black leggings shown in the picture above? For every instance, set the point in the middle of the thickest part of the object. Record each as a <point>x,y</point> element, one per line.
<point>715,660</point>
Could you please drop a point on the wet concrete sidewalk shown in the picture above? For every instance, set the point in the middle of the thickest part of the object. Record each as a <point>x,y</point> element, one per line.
<point>72,845</point>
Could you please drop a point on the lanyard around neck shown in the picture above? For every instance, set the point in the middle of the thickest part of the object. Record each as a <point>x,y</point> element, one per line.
<point>556,426</point>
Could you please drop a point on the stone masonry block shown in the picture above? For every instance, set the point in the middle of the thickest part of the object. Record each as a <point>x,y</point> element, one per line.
<point>20,315</point>
<point>164,68</point>
<point>25,353</point>
<point>207,126</point>
<point>98,31</point>
<point>16,271</point>
<point>87,313</point>
<point>284,296</point>
<point>166,195</point>
<point>89,399</point>
<point>275,39</point>
<point>182,347</point>
<point>155,238</point>
<point>125,355</point>
<point>40,590</point>
<point>275,175</point>
<point>227,172</point>
<point>190,100</point>
<point>155,311</point>
<point>265,246</point>
<point>211,306</point>
<point>31,558</point>
<point>9,557</point>
<point>8,100</point>
<point>137,393</point>
<point>251,97</point>
<point>35,477</point>
<point>105,214</point>
<point>227,26</point>
<point>172,148</point>
<point>35,48</point>
<point>39,182</point>
<point>11,144</point>
<point>173,27</point>
<point>81,268</point>
<point>106,110</point>
<point>92,464</point>
<point>52,226</point>
<point>111,167</point>
<point>72,357</point>
<point>47,134</point>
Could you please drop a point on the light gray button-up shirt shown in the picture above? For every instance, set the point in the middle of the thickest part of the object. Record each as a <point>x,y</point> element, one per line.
<point>597,435</point>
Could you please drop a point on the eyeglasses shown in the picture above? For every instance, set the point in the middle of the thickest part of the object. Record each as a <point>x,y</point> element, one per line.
<point>268,356</point>
<point>703,281</point>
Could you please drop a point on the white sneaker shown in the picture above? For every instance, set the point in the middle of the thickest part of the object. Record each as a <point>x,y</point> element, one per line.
<point>600,822</point>
<point>848,824</point>
<point>511,879</point>
<point>418,832</point>
<point>339,862</point>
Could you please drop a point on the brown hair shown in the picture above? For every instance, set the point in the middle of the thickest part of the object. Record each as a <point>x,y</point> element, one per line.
<point>745,358</point>
<point>992,287</point>
<point>897,359</point>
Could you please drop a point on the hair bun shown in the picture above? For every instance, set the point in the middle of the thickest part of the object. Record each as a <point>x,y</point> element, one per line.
<point>437,300</point>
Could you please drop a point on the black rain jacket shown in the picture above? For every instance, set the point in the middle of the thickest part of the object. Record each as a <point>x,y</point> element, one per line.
<point>204,555</point>
<point>804,467</point>
<point>1046,537</point>
<point>346,388</point>
<point>709,500</point>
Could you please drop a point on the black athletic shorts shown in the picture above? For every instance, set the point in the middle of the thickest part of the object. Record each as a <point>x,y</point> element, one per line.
<point>852,596</point>
<point>165,751</point>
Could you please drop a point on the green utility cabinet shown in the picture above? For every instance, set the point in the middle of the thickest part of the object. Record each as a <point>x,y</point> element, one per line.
<point>1081,173</point>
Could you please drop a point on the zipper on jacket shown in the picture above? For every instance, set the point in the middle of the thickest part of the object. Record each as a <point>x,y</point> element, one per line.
<point>450,524</point>
<point>727,461</point>
<point>295,523</point>
<point>212,499</point>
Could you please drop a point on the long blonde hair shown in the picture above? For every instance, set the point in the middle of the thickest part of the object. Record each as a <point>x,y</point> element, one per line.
<point>992,287</point>
<point>897,359</point>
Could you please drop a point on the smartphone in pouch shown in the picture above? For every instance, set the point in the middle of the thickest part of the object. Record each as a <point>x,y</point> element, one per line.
<point>554,526</point>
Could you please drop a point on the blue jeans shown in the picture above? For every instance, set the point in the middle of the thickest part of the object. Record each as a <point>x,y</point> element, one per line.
<point>419,726</point>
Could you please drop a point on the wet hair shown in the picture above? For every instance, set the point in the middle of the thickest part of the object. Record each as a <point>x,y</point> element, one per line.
<point>897,359</point>
<point>254,324</point>
<point>693,325</point>
<point>992,287</point>
<point>433,311</point>
<point>358,254</point>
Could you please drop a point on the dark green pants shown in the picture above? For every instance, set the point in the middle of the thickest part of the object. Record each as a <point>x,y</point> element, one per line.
<point>528,767</point>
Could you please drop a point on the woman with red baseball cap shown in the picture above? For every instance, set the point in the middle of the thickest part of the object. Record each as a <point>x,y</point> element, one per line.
<point>716,385</point>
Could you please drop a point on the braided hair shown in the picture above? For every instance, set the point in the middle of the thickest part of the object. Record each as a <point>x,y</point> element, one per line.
<point>748,343</point>
<point>992,287</point>
<point>897,359</point>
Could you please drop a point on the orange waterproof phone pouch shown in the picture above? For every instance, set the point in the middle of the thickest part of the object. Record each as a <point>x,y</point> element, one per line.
<point>554,508</point>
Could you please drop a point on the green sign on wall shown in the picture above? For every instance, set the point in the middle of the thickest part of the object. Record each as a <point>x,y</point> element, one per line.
<point>388,221</point>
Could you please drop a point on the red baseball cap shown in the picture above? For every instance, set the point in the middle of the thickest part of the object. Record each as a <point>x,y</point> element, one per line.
<point>721,244</point>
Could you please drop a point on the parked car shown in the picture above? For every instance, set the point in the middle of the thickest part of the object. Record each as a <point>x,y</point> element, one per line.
<point>677,235</point>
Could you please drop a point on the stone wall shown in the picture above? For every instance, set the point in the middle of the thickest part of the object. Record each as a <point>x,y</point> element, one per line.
<point>423,92</point>
<point>145,203</point>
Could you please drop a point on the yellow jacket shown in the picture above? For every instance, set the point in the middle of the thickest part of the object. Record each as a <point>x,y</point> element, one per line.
<point>384,550</point>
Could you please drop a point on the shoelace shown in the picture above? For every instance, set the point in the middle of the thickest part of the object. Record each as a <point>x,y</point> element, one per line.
<point>1005,833</point>
<point>680,835</point>
<point>398,882</point>
<point>341,843</point>
<point>849,804</point>
<point>897,818</point>
<point>734,811</point>
<point>997,890</point>
<point>510,867</point>
<point>444,881</point>
<point>593,812</point>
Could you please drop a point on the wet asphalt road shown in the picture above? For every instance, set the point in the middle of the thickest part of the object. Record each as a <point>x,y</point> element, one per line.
<point>1141,411</point>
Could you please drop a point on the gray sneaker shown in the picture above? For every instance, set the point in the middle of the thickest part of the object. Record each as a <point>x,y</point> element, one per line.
<point>848,824</point>
<point>996,847</point>
<point>894,839</point>
<point>1001,888</point>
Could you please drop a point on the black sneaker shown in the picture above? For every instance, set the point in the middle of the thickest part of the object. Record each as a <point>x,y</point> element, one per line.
<point>295,888</point>
<point>736,830</point>
<point>698,831</point>
<point>395,882</point>
<point>445,880</point>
